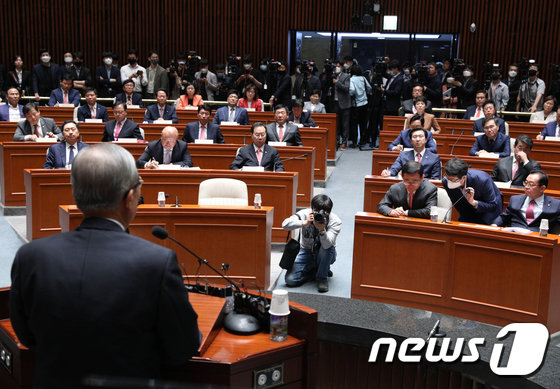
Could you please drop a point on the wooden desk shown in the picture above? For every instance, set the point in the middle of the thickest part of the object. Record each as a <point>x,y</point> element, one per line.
<point>457,269</point>
<point>17,156</point>
<point>225,360</point>
<point>7,130</point>
<point>47,189</point>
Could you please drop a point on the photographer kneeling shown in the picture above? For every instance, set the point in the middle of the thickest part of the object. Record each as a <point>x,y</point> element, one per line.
<point>317,252</point>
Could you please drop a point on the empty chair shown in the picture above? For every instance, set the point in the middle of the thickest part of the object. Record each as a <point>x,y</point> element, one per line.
<point>443,204</point>
<point>223,191</point>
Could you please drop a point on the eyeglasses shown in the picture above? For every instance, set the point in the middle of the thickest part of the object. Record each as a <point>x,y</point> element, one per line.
<point>137,185</point>
<point>530,184</point>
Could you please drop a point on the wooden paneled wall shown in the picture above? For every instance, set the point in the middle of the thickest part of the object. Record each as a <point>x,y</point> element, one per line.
<point>506,29</point>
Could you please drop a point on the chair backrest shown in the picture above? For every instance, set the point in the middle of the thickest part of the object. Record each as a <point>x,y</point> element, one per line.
<point>511,145</point>
<point>443,203</point>
<point>506,127</point>
<point>223,191</point>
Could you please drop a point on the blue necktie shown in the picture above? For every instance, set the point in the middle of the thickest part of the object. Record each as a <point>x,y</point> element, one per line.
<point>71,157</point>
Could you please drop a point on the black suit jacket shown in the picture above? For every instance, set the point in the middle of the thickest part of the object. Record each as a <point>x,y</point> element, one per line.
<point>85,113</point>
<point>26,84</point>
<point>305,119</point>
<point>247,157</point>
<point>128,130</point>
<point>397,196</point>
<point>503,169</point>
<point>179,155</point>
<point>513,216</point>
<point>105,87</point>
<point>392,94</point>
<point>212,132</point>
<point>152,113</point>
<point>97,300</point>
<point>136,98</point>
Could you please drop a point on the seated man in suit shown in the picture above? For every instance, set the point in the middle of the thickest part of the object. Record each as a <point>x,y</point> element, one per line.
<point>65,94</point>
<point>297,116</point>
<point>167,150</point>
<point>203,129</point>
<point>60,283</point>
<point>516,168</point>
<point>12,111</point>
<point>319,230</point>
<point>475,111</point>
<point>472,192</point>
<point>492,142</point>
<point>128,95</point>
<point>231,112</point>
<point>92,110</point>
<point>528,210</point>
<point>404,141</point>
<point>551,129</point>
<point>61,155</point>
<point>489,110</point>
<point>258,153</point>
<point>408,108</point>
<point>121,127</point>
<point>412,197</point>
<point>161,110</point>
<point>431,164</point>
<point>34,126</point>
<point>281,130</point>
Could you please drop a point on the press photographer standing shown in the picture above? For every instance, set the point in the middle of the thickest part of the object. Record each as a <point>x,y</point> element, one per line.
<point>319,229</point>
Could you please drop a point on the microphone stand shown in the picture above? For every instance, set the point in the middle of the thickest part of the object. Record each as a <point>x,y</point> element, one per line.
<point>459,137</point>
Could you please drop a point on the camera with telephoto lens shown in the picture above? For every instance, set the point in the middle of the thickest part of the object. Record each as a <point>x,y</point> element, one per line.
<point>321,216</point>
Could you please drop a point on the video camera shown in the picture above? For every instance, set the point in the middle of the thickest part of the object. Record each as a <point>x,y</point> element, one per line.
<point>458,68</point>
<point>233,64</point>
<point>379,70</point>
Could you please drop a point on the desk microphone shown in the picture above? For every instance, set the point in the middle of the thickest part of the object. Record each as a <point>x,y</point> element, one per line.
<point>296,157</point>
<point>244,135</point>
<point>459,137</point>
<point>435,332</point>
<point>237,323</point>
<point>452,205</point>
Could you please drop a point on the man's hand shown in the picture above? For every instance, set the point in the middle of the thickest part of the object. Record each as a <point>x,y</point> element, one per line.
<point>469,195</point>
<point>50,135</point>
<point>397,212</point>
<point>540,137</point>
<point>153,164</point>
<point>385,173</point>
<point>533,109</point>
<point>398,148</point>
<point>31,138</point>
<point>319,226</point>
<point>307,221</point>
<point>37,97</point>
<point>522,156</point>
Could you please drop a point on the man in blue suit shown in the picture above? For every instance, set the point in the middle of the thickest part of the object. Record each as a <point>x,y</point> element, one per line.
<point>161,110</point>
<point>258,153</point>
<point>61,155</point>
<point>489,110</point>
<point>551,129</point>
<point>492,142</point>
<point>12,111</point>
<point>231,112</point>
<point>167,150</point>
<point>473,193</point>
<point>128,95</point>
<point>403,140</point>
<point>121,127</point>
<point>528,210</point>
<point>92,110</point>
<point>65,94</point>
<point>430,162</point>
<point>297,116</point>
<point>203,129</point>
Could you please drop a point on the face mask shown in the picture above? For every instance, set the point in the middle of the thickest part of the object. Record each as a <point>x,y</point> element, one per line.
<point>132,61</point>
<point>203,70</point>
<point>337,70</point>
<point>453,185</point>
<point>108,61</point>
<point>466,73</point>
<point>346,66</point>
<point>181,63</point>
<point>532,73</point>
<point>263,68</point>
<point>154,61</point>
<point>46,58</point>
<point>247,66</point>
<point>512,73</point>
<point>220,75</point>
<point>450,80</point>
<point>68,59</point>
<point>495,76</point>
<point>406,72</point>
<point>298,71</point>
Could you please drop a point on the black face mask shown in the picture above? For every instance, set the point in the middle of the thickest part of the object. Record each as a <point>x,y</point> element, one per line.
<point>495,76</point>
<point>132,61</point>
<point>77,64</point>
<point>532,73</point>
<point>154,61</point>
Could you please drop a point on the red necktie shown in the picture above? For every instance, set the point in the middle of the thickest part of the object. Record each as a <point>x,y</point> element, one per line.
<point>515,170</point>
<point>117,130</point>
<point>530,214</point>
<point>410,196</point>
<point>478,112</point>
<point>419,157</point>
<point>37,131</point>
<point>259,156</point>
<point>280,133</point>
<point>203,133</point>
<point>130,99</point>
<point>65,101</point>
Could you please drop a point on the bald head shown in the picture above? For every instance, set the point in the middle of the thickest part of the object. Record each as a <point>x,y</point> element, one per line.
<point>169,137</point>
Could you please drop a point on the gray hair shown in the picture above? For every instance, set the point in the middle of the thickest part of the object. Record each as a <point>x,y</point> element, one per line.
<point>101,176</point>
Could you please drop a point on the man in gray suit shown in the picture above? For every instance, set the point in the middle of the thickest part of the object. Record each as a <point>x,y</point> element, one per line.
<point>412,197</point>
<point>157,76</point>
<point>34,126</point>
<point>518,166</point>
<point>343,101</point>
<point>281,130</point>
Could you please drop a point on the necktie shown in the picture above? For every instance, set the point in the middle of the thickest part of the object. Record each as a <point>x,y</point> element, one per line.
<point>280,133</point>
<point>117,130</point>
<point>515,170</point>
<point>419,157</point>
<point>130,99</point>
<point>478,112</point>
<point>65,101</point>
<point>167,157</point>
<point>161,112</point>
<point>202,132</point>
<point>259,156</point>
<point>232,114</point>
<point>410,196</point>
<point>93,113</point>
<point>71,156</point>
<point>529,214</point>
<point>36,127</point>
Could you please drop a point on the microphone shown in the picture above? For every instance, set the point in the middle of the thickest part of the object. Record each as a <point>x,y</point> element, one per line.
<point>296,157</point>
<point>244,135</point>
<point>435,332</point>
<point>452,205</point>
<point>237,323</point>
<point>459,137</point>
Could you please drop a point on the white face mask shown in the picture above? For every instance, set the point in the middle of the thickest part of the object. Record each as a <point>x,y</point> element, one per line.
<point>108,61</point>
<point>247,66</point>
<point>181,62</point>
<point>466,73</point>
<point>406,72</point>
<point>346,66</point>
<point>512,73</point>
<point>204,70</point>
<point>46,58</point>
<point>337,70</point>
<point>453,184</point>
<point>450,80</point>
<point>68,59</point>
